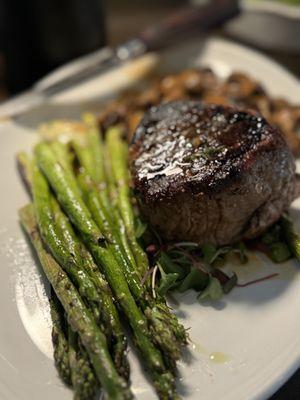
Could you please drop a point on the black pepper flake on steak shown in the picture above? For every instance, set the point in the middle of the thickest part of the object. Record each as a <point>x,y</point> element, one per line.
<point>210,173</point>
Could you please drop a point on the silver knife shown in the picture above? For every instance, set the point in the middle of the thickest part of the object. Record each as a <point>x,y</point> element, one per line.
<point>177,26</point>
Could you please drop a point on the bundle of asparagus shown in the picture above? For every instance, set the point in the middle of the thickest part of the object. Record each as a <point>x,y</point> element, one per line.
<point>82,225</point>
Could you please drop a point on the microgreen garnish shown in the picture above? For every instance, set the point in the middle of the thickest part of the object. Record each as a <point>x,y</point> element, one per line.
<point>140,228</point>
<point>264,278</point>
<point>275,244</point>
<point>186,266</point>
<point>213,290</point>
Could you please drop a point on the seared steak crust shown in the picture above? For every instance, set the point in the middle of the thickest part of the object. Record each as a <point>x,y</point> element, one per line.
<point>210,173</point>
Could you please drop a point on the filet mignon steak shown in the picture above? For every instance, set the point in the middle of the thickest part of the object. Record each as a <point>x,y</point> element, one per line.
<point>210,174</point>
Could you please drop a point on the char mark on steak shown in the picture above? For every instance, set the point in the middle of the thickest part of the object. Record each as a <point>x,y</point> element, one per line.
<point>210,173</point>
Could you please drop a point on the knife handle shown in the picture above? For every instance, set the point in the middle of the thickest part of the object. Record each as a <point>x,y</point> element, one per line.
<point>201,17</point>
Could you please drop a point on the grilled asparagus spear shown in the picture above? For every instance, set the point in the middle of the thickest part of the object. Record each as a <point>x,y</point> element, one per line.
<point>79,317</point>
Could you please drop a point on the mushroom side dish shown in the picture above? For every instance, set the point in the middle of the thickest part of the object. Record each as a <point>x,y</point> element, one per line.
<point>238,90</point>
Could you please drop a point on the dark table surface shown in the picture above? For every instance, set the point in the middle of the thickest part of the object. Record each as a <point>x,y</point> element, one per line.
<point>124,19</point>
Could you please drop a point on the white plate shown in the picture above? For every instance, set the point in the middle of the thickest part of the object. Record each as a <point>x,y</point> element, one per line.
<point>244,348</point>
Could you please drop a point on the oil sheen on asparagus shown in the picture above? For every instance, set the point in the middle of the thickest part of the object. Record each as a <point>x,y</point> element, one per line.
<point>81,223</point>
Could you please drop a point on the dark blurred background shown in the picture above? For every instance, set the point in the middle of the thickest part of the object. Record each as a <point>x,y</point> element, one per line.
<point>39,35</point>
